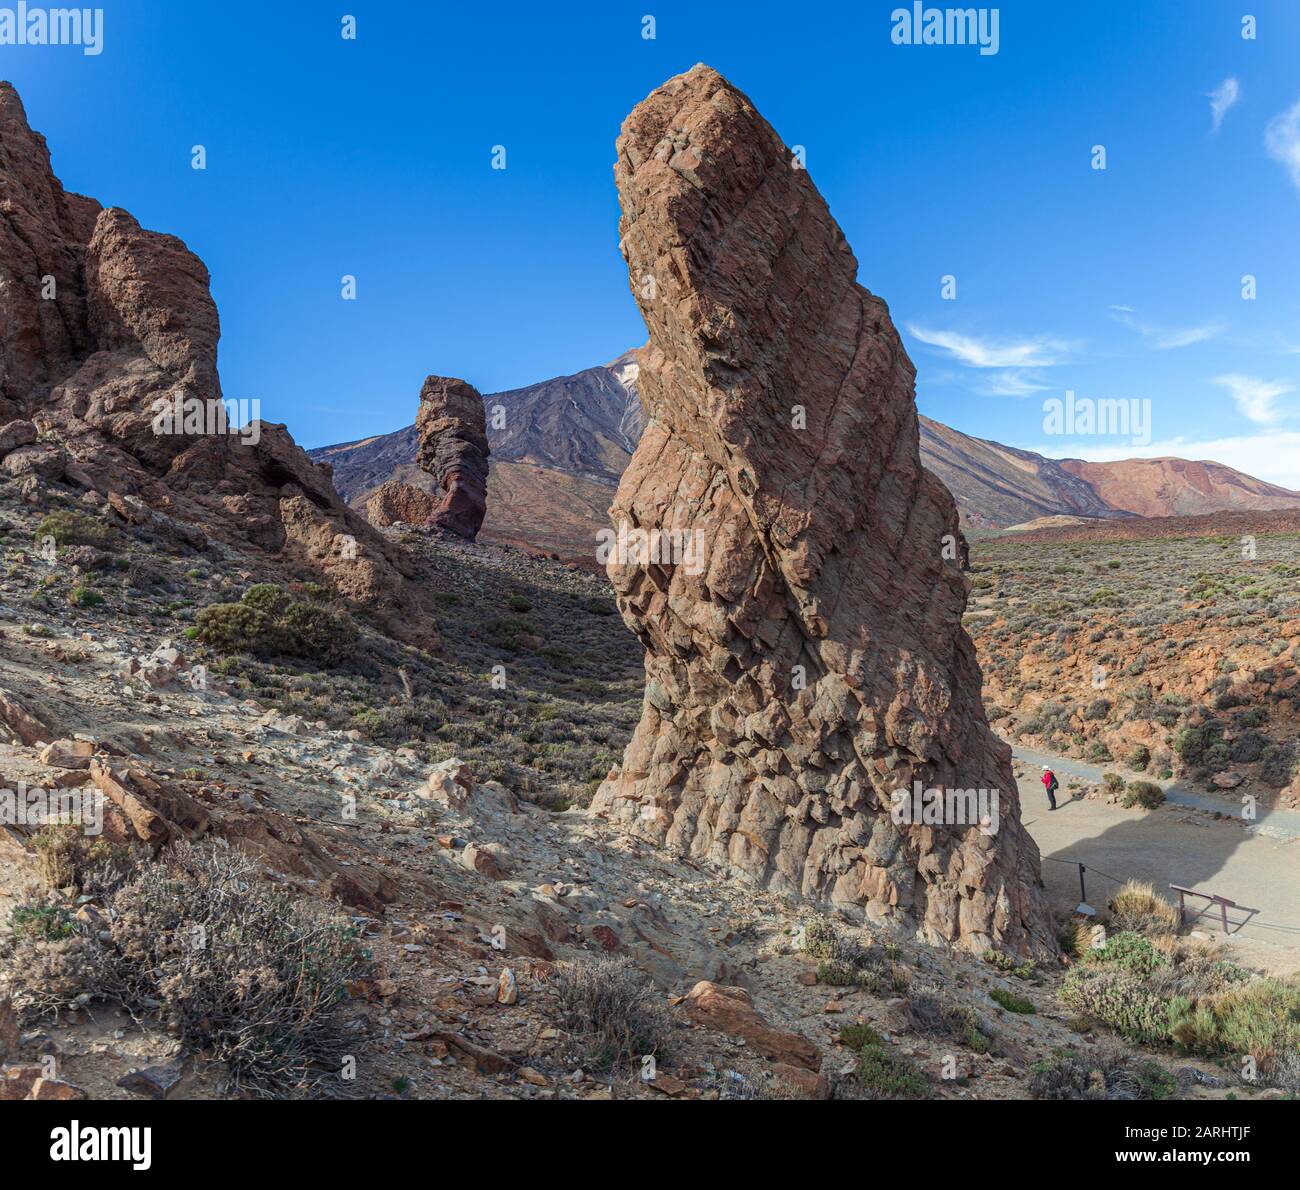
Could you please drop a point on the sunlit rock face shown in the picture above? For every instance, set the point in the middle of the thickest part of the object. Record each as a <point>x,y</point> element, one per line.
<point>790,567</point>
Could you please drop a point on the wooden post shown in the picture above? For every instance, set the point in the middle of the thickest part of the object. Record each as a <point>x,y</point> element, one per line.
<point>1083,892</point>
<point>1223,905</point>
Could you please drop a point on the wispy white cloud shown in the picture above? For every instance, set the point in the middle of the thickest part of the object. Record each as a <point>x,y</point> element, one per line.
<point>1037,352</point>
<point>1282,140</point>
<point>1166,338</point>
<point>1256,399</point>
<point>1222,99</point>
<point>1272,457</point>
<point>1013,382</point>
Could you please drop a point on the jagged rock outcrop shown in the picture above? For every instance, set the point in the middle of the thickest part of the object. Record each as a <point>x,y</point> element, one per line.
<point>781,554</point>
<point>395,502</point>
<point>108,355</point>
<point>452,429</point>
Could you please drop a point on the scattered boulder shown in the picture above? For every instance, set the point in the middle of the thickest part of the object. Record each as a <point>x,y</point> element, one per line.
<point>731,1010</point>
<point>67,754</point>
<point>56,1090</point>
<point>16,1082</point>
<point>156,1082</point>
<point>28,729</point>
<point>395,502</point>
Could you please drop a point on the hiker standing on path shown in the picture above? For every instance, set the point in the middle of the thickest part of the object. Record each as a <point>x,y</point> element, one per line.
<point>1051,784</point>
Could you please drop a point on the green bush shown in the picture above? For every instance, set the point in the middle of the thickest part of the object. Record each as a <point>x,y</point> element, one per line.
<point>883,1074</point>
<point>856,1035</point>
<point>1012,1002</point>
<point>267,623</point>
<point>1130,951</point>
<point>1261,1019</point>
<point>73,528</point>
<point>1139,758</point>
<point>1146,794</point>
<point>1004,962</point>
<point>1105,1074</point>
<point>1120,999</point>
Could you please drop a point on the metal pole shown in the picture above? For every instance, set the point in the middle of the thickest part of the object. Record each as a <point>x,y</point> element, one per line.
<point>1223,905</point>
<point>1083,892</point>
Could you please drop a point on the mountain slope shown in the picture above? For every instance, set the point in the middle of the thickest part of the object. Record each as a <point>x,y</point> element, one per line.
<point>559,447</point>
<point>996,485</point>
<point>1178,487</point>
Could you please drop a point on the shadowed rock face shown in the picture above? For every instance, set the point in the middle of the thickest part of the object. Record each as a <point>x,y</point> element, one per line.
<point>804,651</point>
<point>100,322</point>
<point>452,429</point>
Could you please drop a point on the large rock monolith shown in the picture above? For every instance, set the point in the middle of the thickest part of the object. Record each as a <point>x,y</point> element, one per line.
<point>786,560</point>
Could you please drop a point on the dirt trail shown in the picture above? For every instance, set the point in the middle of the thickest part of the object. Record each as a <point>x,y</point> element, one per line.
<point>1282,825</point>
<point>1176,844</point>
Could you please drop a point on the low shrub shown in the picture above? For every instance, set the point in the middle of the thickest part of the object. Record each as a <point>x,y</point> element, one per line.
<point>1261,1019</point>
<point>232,966</point>
<point>267,622</point>
<point>1105,1074</point>
<point>882,1074</point>
<point>1118,998</point>
<point>1005,963</point>
<point>1011,1001</point>
<point>1130,951</point>
<point>69,858</point>
<point>1137,909</point>
<point>73,528</point>
<point>613,1009</point>
<point>1146,794</point>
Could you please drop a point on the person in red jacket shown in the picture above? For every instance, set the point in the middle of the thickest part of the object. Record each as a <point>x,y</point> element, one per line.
<point>1051,784</point>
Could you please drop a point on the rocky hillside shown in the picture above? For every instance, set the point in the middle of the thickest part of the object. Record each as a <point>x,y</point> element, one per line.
<point>109,383</point>
<point>1164,648</point>
<point>439,823</point>
<point>1178,487</point>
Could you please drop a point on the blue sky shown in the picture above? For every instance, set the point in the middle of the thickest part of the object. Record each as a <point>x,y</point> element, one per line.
<point>373,158</point>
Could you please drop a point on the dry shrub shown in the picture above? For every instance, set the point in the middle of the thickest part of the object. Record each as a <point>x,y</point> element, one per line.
<point>613,1009</point>
<point>69,858</point>
<point>232,966</point>
<point>1136,908</point>
<point>1103,1074</point>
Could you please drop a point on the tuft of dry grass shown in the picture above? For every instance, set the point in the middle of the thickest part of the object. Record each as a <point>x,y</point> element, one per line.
<point>1137,909</point>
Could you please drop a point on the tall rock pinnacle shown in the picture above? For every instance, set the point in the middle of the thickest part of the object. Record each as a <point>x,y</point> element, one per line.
<point>781,555</point>
<point>453,448</point>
